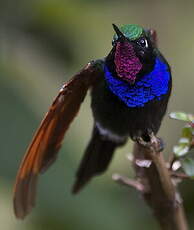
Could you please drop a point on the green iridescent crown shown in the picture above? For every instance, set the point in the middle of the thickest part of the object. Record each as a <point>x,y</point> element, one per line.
<point>130,31</point>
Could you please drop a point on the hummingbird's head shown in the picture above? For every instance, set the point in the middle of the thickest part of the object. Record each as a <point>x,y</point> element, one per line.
<point>132,51</point>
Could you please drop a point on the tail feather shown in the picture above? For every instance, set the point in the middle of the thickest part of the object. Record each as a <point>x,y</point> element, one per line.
<point>96,159</point>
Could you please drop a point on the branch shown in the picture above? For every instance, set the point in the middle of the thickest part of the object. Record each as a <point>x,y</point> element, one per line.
<point>162,196</point>
<point>122,180</point>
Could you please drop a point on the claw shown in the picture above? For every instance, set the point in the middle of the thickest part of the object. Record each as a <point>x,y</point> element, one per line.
<point>155,142</point>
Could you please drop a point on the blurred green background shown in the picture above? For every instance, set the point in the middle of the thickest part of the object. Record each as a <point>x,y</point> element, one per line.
<point>42,44</point>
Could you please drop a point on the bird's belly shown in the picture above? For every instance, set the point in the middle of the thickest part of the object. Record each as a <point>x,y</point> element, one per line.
<point>113,115</point>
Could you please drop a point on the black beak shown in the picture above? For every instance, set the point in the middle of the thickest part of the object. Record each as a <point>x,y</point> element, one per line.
<point>118,32</point>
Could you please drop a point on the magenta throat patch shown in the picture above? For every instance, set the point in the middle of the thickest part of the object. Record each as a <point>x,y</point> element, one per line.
<point>127,63</point>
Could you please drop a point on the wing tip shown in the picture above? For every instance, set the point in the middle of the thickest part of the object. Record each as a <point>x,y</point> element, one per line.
<point>21,210</point>
<point>20,213</point>
<point>24,195</point>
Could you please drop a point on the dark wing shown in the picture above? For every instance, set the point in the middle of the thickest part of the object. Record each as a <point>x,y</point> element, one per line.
<point>42,152</point>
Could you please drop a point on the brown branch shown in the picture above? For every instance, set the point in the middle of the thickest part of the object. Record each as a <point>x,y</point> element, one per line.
<point>162,196</point>
<point>180,175</point>
<point>123,180</point>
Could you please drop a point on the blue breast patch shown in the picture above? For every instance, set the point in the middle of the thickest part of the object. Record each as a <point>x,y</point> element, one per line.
<point>149,87</point>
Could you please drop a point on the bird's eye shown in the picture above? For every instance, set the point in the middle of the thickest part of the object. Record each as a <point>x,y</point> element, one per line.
<point>143,43</point>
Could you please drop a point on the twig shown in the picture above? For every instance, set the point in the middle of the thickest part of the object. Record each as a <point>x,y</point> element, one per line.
<point>180,175</point>
<point>129,182</point>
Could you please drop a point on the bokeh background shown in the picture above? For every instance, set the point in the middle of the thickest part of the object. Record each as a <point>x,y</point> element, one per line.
<point>42,44</point>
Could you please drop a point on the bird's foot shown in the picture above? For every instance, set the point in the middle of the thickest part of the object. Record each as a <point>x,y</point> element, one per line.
<point>154,142</point>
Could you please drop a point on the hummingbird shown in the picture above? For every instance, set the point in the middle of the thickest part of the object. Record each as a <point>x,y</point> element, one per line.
<point>130,90</point>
